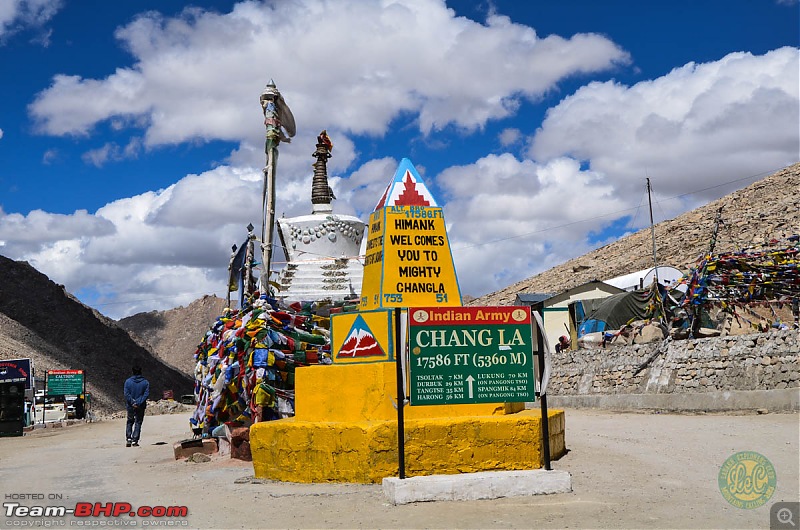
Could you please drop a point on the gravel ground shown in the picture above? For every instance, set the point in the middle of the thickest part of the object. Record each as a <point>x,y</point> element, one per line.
<point>629,471</point>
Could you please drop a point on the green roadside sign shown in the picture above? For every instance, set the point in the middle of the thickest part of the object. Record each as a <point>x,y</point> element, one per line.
<point>64,382</point>
<point>463,355</point>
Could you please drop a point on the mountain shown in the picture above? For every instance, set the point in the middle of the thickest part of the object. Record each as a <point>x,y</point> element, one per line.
<point>41,321</point>
<point>360,342</point>
<point>751,217</point>
<point>173,335</point>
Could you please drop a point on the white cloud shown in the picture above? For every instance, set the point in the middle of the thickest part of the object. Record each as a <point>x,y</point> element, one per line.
<point>509,137</point>
<point>162,248</point>
<point>112,151</point>
<point>16,15</point>
<point>1,133</point>
<point>351,66</point>
<point>49,156</point>
<point>98,157</point>
<point>509,219</point>
<point>168,247</point>
<point>700,124</point>
<point>360,191</point>
<point>25,234</point>
<point>697,127</point>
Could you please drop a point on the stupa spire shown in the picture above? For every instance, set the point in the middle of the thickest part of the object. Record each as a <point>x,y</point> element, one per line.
<point>321,192</point>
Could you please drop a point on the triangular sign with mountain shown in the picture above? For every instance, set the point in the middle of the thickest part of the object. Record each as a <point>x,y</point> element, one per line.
<point>406,189</point>
<point>360,342</point>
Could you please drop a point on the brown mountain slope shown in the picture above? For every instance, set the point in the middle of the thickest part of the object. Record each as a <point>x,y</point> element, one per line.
<point>769,208</point>
<point>40,320</point>
<point>173,335</point>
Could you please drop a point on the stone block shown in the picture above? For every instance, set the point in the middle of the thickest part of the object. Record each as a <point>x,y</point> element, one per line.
<point>186,448</point>
<point>239,435</point>
<point>242,451</point>
<point>474,486</point>
<point>236,442</point>
<point>224,447</point>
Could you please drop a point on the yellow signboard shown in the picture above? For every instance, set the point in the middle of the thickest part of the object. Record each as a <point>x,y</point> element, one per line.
<point>364,337</point>
<point>408,260</point>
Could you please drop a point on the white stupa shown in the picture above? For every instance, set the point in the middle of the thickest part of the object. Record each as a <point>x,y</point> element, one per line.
<point>322,249</point>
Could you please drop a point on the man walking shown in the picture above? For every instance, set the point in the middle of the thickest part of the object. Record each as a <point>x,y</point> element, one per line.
<point>137,390</point>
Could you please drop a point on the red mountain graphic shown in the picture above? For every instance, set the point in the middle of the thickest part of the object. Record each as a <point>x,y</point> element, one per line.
<point>410,195</point>
<point>406,189</point>
<point>360,342</point>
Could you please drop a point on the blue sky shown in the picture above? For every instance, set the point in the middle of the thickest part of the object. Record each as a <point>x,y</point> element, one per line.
<point>131,138</point>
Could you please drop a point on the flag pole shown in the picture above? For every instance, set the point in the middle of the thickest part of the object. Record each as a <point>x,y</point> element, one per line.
<point>277,118</point>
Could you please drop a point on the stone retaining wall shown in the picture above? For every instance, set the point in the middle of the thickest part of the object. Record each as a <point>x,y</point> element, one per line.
<point>756,362</point>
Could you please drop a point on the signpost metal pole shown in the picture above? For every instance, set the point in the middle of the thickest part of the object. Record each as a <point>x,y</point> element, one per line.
<point>44,396</point>
<point>543,397</point>
<point>401,398</point>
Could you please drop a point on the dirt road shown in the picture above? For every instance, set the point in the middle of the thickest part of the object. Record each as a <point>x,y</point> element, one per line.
<point>629,471</point>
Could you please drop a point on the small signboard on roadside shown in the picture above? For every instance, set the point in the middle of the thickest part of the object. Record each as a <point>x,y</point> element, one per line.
<point>65,382</point>
<point>363,337</point>
<point>470,355</point>
<point>16,371</point>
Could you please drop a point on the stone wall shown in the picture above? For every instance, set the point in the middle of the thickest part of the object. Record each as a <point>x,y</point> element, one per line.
<point>745,363</point>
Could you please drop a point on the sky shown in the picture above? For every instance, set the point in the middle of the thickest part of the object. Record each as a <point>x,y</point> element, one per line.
<point>132,139</point>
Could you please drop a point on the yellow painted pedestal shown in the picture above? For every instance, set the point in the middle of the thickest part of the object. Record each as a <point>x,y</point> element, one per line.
<point>345,430</point>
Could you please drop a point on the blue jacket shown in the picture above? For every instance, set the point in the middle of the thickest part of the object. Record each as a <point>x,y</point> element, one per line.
<point>137,390</point>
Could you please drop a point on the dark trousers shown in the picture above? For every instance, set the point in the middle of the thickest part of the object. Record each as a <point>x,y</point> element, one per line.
<point>134,426</point>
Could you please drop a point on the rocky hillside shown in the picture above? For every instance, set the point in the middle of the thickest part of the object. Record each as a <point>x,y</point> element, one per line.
<point>41,321</point>
<point>767,209</point>
<point>173,335</point>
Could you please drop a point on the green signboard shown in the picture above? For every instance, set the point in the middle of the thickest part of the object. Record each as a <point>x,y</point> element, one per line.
<point>470,355</point>
<point>64,382</point>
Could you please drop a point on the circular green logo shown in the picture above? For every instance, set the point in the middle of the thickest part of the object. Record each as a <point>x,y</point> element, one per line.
<point>747,480</point>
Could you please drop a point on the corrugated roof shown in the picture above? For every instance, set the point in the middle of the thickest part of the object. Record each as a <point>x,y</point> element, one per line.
<point>532,298</point>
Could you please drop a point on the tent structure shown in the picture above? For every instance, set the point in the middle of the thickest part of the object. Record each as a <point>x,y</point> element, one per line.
<point>619,309</point>
<point>557,309</point>
<point>667,275</point>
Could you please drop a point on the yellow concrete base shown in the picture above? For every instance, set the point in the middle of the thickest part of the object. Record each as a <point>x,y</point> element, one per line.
<point>366,392</point>
<point>294,450</point>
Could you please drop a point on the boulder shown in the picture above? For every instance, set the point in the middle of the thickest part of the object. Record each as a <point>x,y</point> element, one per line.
<point>240,443</point>
<point>650,333</point>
